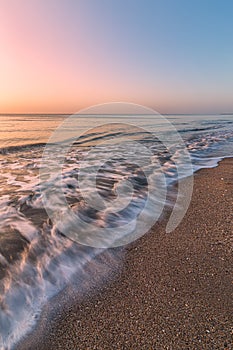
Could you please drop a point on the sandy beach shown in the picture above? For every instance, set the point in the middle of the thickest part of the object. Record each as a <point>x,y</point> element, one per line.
<point>110,113</point>
<point>173,291</point>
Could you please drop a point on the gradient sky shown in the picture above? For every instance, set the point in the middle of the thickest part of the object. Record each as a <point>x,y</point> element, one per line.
<point>175,56</point>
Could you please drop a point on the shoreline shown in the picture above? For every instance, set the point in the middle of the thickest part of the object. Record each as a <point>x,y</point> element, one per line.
<point>173,291</point>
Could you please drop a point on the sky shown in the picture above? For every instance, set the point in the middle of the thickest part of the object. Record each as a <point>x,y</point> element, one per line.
<point>57,56</point>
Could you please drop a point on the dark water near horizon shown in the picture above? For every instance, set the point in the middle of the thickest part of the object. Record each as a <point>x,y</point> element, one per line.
<point>36,261</point>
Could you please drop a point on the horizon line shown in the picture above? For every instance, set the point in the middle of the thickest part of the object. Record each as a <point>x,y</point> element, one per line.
<point>68,113</point>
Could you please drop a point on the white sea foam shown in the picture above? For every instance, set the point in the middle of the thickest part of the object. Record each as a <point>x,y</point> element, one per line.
<point>50,260</point>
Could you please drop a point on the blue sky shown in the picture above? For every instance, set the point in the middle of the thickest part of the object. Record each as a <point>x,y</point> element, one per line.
<point>175,56</point>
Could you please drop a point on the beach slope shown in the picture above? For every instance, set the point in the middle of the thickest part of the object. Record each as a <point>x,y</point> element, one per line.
<point>174,291</point>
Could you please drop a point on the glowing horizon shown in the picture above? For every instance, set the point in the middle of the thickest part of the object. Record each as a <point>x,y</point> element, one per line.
<point>59,57</point>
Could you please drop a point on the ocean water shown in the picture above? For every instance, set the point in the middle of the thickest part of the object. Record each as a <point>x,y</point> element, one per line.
<point>36,259</point>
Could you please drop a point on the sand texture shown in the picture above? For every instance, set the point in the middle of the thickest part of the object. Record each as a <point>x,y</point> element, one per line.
<point>174,291</point>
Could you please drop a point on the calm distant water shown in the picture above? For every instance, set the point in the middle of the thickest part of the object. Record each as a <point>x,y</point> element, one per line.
<point>45,259</point>
<point>201,132</point>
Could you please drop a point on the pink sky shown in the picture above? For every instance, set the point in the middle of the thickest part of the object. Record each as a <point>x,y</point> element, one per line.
<point>60,56</point>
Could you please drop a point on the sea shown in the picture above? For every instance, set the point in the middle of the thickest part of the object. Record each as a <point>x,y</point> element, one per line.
<point>109,165</point>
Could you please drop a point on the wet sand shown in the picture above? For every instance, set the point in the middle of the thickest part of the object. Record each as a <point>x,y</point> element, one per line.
<point>174,291</point>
